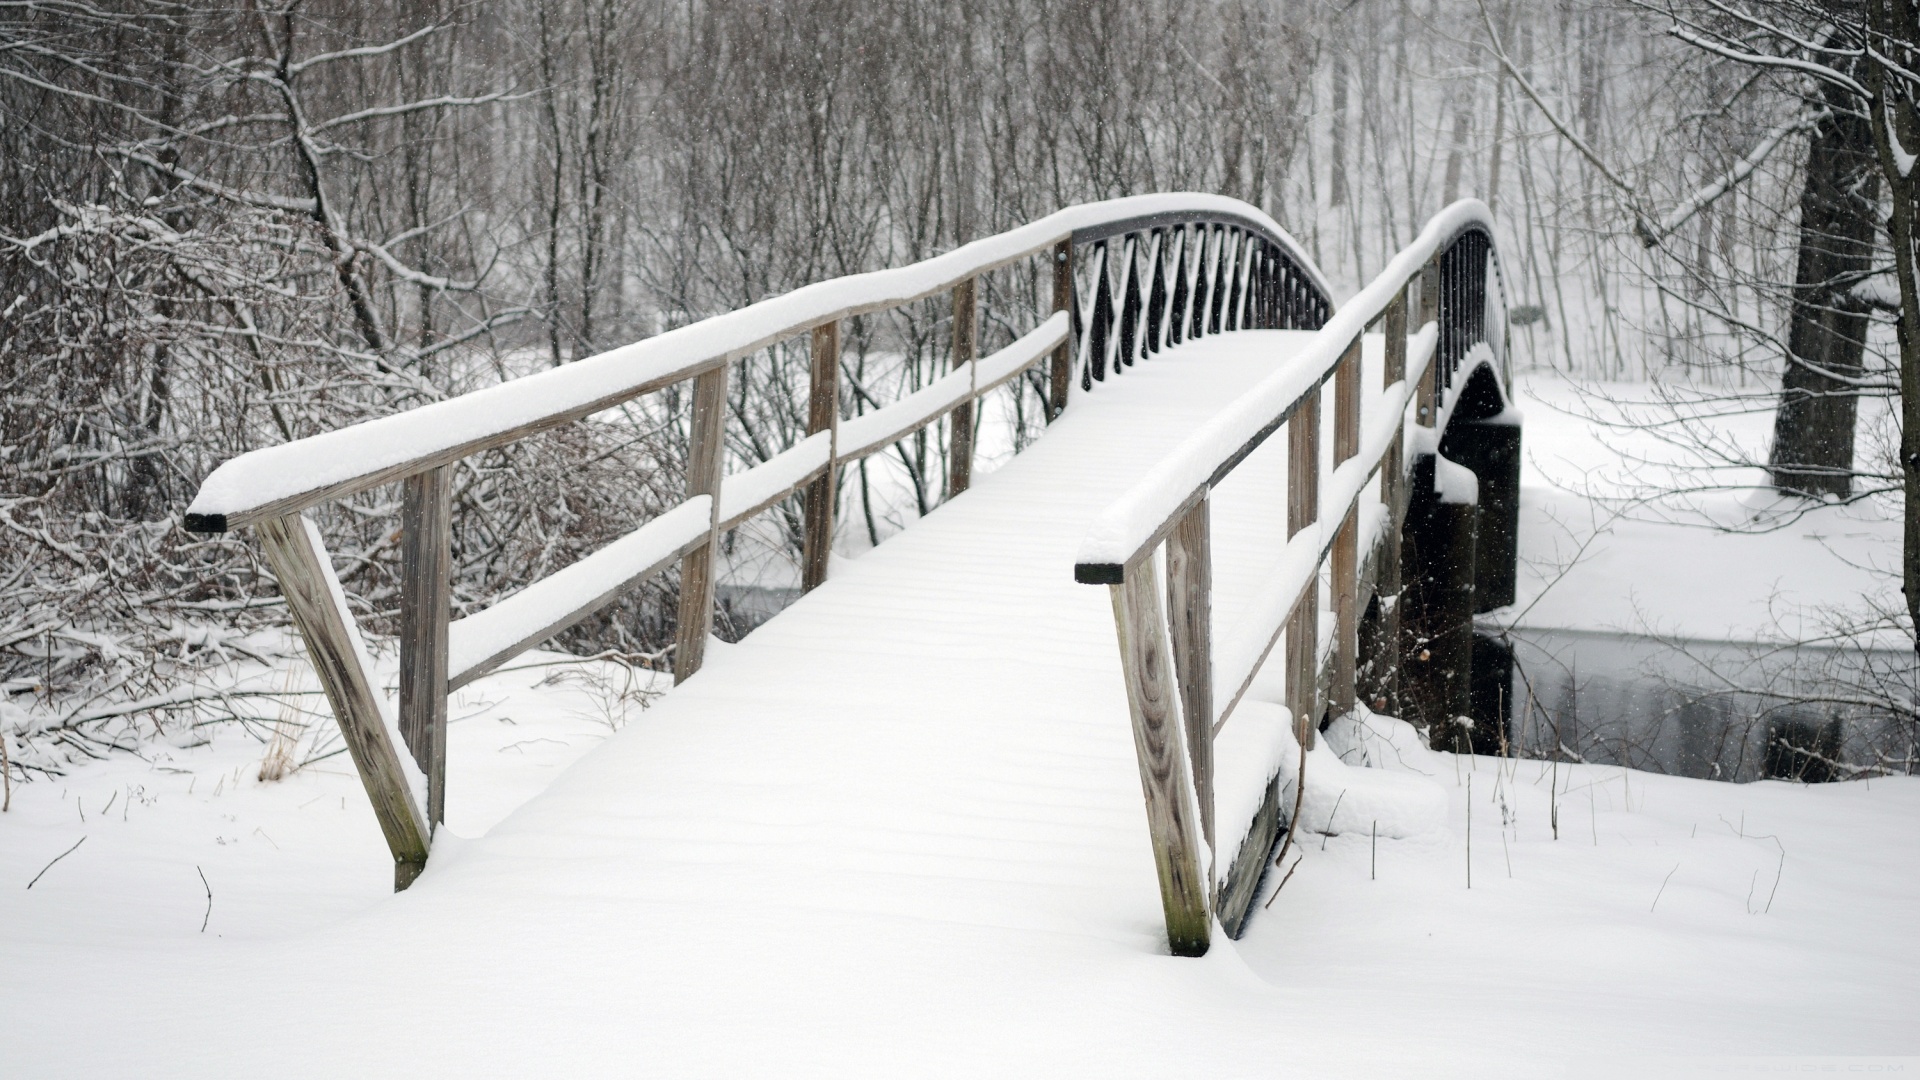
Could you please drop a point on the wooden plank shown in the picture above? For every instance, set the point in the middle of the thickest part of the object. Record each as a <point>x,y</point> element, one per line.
<point>966,331</point>
<point>1190,617</point>
<point>1060,375</point>
<point>426,558</point>
<point>707,443</point>
<point>1242,883</point>
<point>319,610</point>
<point>1303,509</point>
<point>1157,741</point>
<point>823,414</point>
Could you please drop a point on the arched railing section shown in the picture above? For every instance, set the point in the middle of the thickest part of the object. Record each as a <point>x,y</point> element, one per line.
<point>1440,285</point>
<point>1158,280</point>
<point>1230,266</point>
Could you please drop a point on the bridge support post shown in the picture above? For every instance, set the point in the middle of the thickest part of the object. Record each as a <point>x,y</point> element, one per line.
<point>426,558</point>
<point>1379,673</point>
<point>1490,447</point>
<point>1060,372</point>
<point>823,414</point>
<point>1190,610</point>
<point>1303,626</point>
<point>1437,605</point>
<point>1346,542</point>
<point>1157,741</point>
<point>704,466</point>
<point>319,609</point>
<point>966,333</point>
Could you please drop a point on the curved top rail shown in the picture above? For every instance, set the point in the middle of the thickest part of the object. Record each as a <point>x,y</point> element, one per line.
<point>290,477</point>
<point>1247,218</point>
<point>1132,524</point>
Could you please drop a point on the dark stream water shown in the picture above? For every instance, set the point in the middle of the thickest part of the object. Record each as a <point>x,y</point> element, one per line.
<point>1708,709</point>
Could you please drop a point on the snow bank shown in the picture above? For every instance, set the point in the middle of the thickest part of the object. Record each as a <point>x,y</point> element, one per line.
<point>1367,772</point>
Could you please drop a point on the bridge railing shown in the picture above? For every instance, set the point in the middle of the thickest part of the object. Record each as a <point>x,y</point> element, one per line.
<point>1182,685</point>
<point>1216,265</point>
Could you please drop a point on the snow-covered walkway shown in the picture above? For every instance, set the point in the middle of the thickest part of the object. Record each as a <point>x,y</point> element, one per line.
<point>898,832</point>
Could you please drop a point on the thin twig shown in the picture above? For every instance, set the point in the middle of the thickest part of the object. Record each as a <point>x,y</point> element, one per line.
<point>82,840</point>
<point>1663,888</point>
<point>209,888</point>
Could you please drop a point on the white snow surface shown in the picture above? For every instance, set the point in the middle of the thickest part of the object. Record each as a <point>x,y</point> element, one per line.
<point>898,831</point>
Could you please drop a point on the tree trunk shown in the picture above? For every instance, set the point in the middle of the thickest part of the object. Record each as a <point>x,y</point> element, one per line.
<point>1813,430</point>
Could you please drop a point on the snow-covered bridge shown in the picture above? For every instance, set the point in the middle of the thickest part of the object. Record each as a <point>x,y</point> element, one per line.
<point>968,640</point>
<point>898,830</point>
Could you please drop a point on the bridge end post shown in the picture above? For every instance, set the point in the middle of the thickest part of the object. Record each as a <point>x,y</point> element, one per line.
<point>319,610</point>
<point>704,466</point>
<point>1157,742</point>
<point>1303,626</point>
<point>823,414</point>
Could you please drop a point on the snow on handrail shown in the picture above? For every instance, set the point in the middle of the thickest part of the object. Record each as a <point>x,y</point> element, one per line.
<point>285,479</point>
<point>1129,527</point>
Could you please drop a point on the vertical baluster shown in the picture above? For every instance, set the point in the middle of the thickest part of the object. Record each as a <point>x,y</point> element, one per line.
<point>1221,266</point>
<point>1382,688</point>
<point>1156,314</point>
<point>966,328</point>
<point>1346,541</point>
<point>1202,282</point>
<point>426,557</point>
<point>1182,289</point>
<point>823,414</point>
<point>704,466</point>
<point>1236,270</point>
<point>1099,319</point>
<point>1303,509</point>
<point>1430,312</point>
<point>1127,347</point>
<point>1061,375</point>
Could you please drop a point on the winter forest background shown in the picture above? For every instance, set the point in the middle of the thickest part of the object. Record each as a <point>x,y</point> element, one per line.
<point>223,227</point>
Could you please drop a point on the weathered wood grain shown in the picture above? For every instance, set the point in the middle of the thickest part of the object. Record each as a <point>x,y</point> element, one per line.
<point>1060,374</point>
<point>823,414</point>
<point>1190,619</point>
<point>1157,741</point>
<point>704,468</point>
<point>426,513</point>
<point>319,610</point>
<point>1303,509</point>
<point>966,333</point>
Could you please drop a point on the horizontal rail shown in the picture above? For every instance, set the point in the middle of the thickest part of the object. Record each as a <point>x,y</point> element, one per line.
<point>291,477</point>
<point>488,638</point>
<point>1129,528</point>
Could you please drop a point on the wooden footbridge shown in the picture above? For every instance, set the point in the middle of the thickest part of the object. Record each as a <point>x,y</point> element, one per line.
<point>1344,562</point>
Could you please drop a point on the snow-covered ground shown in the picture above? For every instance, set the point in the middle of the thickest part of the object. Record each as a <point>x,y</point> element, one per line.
<point>897,831</point>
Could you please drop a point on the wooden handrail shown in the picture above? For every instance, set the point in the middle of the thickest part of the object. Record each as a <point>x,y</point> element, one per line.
<point>1171,503</point>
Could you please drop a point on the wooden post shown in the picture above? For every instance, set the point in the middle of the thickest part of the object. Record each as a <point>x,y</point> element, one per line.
<point>425,560</point>
<point>1190,616</point>
<point>1346,541</point>
<point>704,465</point>
<point>1303,509</point>
<point>1382,661</point>
<point>1157,743</point>
<point>966,331</point>
<point>1428,394</point>
<point>823,414</point>
<point>319,608</point>
<point>1060,377</point>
